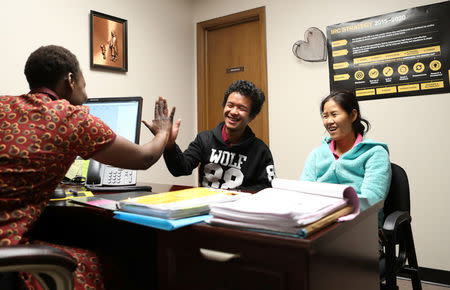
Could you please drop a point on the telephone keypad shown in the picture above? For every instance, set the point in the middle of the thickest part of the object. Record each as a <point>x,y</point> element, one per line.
<point>119,176</point>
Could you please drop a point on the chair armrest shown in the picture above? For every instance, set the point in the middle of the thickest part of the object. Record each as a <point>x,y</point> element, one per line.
<point>39,259</point>
<point>394,220</point>
<point>15,257</point>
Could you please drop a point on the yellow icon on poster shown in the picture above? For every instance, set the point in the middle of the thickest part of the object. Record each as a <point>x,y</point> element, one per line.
<point>419,67</point>
<point>359,75</point>
<point>388,71</point>
<point>435,65</point>
<point>373,73</point>
<point>403,69</point>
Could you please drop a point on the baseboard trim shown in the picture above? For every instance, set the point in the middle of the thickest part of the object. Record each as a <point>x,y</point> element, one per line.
<point>432,275</point>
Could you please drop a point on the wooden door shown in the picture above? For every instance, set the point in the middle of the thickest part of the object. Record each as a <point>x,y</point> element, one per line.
<point>231,48</point>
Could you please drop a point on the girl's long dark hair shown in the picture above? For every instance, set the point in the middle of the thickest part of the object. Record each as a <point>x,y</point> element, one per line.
<point>348,102</point>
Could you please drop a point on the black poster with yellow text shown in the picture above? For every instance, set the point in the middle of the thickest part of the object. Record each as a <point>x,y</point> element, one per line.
<point>404,53</point>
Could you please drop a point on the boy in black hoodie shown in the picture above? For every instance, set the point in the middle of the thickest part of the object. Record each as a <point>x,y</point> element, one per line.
<point>230,156</point>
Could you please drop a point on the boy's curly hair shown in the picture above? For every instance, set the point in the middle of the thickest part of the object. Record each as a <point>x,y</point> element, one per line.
<point>248,89</point>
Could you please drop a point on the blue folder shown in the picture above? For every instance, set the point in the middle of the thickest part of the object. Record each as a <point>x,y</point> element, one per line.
<point>159,223</point>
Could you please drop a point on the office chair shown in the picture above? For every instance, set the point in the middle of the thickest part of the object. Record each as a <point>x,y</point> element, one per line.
<point>397,234</point>
<point>52,267</point>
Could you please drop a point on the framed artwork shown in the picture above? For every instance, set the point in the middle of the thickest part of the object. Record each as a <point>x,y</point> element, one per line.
<point>108,42</point>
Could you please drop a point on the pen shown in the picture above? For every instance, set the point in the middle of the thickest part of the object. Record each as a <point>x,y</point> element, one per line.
<point>74,192</point>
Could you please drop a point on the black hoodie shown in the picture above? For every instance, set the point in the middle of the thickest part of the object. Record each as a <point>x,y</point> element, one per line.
<point>247,165</point>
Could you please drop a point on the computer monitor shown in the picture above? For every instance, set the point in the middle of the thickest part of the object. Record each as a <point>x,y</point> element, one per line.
<point>121,114</point>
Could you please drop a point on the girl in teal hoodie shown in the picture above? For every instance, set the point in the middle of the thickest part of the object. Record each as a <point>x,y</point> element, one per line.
<point>346,157</point>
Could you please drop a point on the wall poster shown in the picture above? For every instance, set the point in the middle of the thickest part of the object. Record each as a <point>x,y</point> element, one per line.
<point>399,54</point>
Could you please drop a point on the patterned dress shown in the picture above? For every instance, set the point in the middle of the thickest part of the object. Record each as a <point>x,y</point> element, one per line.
<point>40,137</point>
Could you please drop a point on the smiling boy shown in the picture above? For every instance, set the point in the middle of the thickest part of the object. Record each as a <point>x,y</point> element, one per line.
<point>230,156</point>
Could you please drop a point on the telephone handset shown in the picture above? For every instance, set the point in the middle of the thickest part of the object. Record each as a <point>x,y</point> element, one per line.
<point>99,174</point>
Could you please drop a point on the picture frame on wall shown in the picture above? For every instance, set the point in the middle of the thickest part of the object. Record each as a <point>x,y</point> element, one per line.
<point>108,42</point>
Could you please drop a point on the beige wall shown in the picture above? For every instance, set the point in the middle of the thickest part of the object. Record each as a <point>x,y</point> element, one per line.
<point>415,127</point>
<point>162,62</point>
<point>160,55</point>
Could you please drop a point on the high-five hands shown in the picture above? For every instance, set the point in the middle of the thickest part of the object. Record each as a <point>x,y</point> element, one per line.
<point>163,121</point>
<point>173,134</point>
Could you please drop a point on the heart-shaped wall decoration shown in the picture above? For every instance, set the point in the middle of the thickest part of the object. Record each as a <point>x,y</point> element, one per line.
<point>313,48</point>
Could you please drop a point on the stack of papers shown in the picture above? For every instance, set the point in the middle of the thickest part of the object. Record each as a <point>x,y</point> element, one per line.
<point>289,207</point>
<point>159,223</point>
<point>178,204</point>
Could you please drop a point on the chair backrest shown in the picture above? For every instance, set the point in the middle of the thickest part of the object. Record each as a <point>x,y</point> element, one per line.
<point>398,195</point>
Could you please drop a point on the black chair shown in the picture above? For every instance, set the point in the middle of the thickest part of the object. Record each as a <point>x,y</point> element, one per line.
<point>396,238</point>
<point>52,267</point>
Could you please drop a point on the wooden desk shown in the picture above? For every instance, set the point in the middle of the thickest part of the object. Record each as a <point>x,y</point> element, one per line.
<point>128,251</point>
<point>342,256</point>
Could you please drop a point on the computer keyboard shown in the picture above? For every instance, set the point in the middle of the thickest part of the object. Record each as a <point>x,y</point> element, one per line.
<point>118,188</point>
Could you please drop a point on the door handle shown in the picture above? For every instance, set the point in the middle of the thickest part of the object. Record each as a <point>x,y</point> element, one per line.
<point>218,256</point>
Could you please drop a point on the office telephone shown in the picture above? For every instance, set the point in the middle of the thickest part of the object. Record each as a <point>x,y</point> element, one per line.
<point>99,174</point>
<point>101,177</point>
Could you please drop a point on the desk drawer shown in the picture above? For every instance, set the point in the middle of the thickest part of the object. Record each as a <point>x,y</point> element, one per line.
<point>204,262</point>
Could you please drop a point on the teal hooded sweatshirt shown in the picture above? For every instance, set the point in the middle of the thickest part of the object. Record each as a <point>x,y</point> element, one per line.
<point>366,167</point>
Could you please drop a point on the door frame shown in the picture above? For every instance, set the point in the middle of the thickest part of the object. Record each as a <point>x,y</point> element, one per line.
<point>202,76</point>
